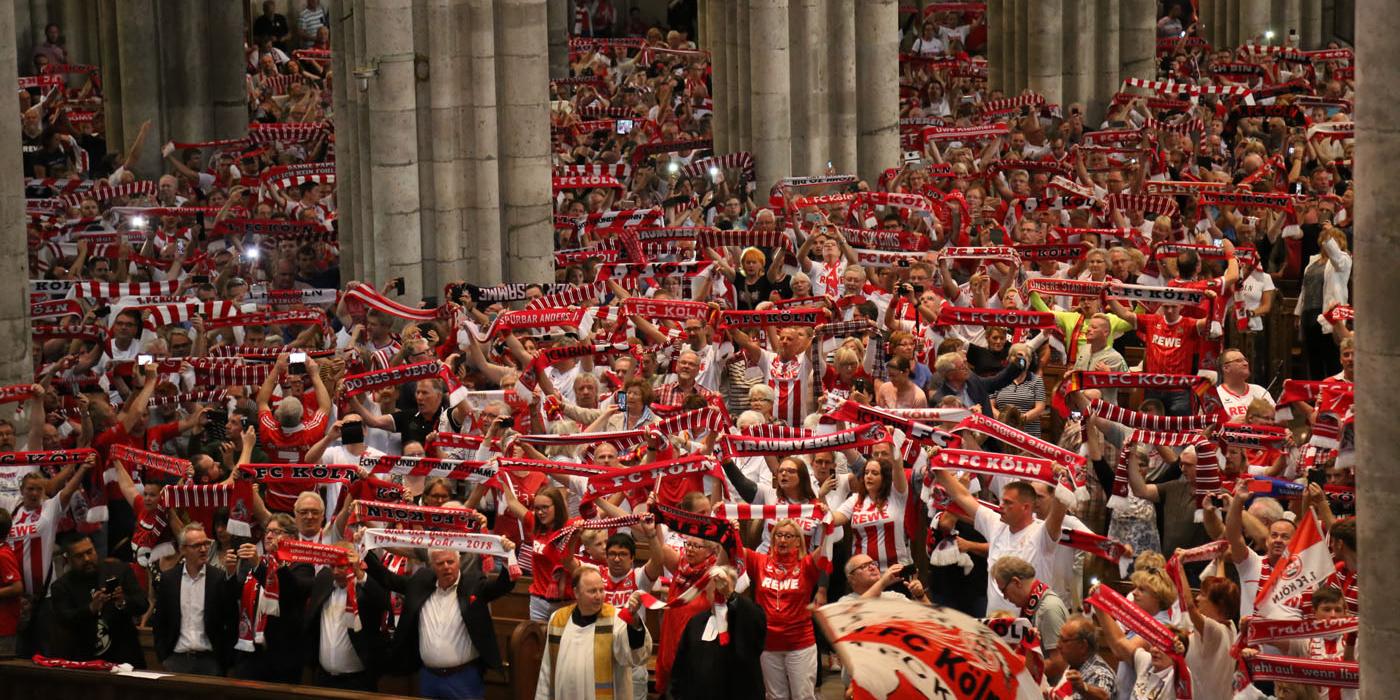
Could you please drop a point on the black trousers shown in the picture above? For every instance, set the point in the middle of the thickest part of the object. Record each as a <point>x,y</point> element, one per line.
<point>364,680</point>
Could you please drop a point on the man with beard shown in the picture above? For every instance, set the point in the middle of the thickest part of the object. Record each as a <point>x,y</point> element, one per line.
<point>97,603</point>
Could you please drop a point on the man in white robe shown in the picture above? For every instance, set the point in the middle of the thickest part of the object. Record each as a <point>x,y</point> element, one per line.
<point>581,635</point>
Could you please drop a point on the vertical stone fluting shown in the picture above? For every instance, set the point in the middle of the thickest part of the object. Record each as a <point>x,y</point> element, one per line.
<point>1137,40</point>
<point>483,158</point>
<point>1045,72</point>
<point>743,73</point>
<point>450,132</point>
<point>559,20</point>
<point>1254,21</point>
<point>111,70</point>
<point>877,108</point>
<point>183,40</point>
<point>346,158</point>
<point>1377,336</point>
<point>996,45</point>
<point>1312,24</point>
<point>840,20</point>
<point>228,95</point>
<point>393,127</point>
<point>801,102</point>
<point>817,89</point>
<point>770,91</point>
<point>140,82</point>
<point>15,364</point>
<point>523,100</point>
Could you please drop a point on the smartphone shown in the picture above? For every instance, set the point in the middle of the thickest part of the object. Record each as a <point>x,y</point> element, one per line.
<point>505,423</point>
<point>352,433</point>
<point>1076,415</point>
<point>624,126</point>
<point>216,424</point>
<point>111,585</point>
<point>143,360</point>
<point>397,285</point>
<point>296,363</point>
<point>102,311</point>
<point>859,384</point>
<point>243,421</point>
<point>909,157</point>
<point>907,573</point>
<point>201,279</point>
<point>1217,242</point>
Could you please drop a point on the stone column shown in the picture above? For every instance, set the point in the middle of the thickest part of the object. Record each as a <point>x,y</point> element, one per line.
<point>524,110</point>
<point>1254,21</point>
<point>24,40</point>
<point>770,91</point>
<point>1137,40</point>
<point>799,86</point>
<point>392,106</point>
<point>447,121</point>
<point>346,160</point>
<point>996,45</point>
<point>559,21</point>
<point>877,109</point>
<point>1312,24</point>
<point>228,96</point>
<point>364,157</point>
<point>840,21</point>
<point>140,82</point>
<point>483,157</point>
<point>817,87</point>
<point>1045,70</point>
<point>15,367</point>
<point>743,72</point>
<point>1107,78</point>
<point>1078,55</point>
<point>1022,38</point>
<point>1292,19</point>
<point>733,99</point>
<point>721,74</point>
<point>183,33</point>
<point>111,71</point>
<point>1377,335</point>
<point>72,16</point>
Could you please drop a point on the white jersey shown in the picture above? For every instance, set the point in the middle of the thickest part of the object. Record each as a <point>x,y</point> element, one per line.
<point>1236,405</point>
<point>791,382</point>
<point>1030,544</point>
<point>31,536</point>
<point>879,531</point>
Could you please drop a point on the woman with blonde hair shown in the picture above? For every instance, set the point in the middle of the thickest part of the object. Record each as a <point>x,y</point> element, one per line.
<point>785,583</point>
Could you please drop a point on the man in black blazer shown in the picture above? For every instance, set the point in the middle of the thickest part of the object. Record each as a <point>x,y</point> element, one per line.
<point>97,620</point>
<point>195,622</point>
<point>446,628</point>
<point>346,658</point>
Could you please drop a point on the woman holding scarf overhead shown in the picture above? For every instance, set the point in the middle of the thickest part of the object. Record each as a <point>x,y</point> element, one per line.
<point>785,580</point>
<point>875,512</point>
<point>552,561</point>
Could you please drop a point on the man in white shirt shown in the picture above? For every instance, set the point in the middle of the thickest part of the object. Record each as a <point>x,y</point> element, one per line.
<point>1235,391</point>
<point>345,657</point>
<point>195,618</point>
<point>446,626</point>
<point>1016,533</point>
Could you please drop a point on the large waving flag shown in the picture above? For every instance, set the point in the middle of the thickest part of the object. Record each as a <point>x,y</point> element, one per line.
<point>1307,563</point>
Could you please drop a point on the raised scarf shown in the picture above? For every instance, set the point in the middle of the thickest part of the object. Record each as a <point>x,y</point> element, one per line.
<point>862,436</point>
<point>1129,615</point>
<point>644,475</point>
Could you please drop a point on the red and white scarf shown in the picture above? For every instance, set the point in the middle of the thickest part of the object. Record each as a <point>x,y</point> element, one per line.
<point>862,436</point>
<point>1129,615</point>
<point>644,475</point>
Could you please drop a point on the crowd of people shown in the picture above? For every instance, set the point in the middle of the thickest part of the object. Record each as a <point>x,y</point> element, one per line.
<point>1025,369</point>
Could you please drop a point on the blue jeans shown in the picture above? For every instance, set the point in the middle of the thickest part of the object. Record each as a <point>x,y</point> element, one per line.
<point>465,684</point>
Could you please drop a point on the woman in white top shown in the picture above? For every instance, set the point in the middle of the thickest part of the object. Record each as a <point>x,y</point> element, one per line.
<point>1212,614</point>
<point>1325,282</point>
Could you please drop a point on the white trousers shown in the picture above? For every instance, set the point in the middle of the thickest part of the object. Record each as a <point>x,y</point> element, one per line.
<point>790,675</point>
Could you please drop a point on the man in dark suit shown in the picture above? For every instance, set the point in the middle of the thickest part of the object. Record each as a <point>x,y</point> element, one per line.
<point>196,617</point>
<point>343,657</point>
<point>446,629</point>
<point>97,603</point>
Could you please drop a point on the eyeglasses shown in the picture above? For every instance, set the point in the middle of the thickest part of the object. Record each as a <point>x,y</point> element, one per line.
<point>784,535</point>
<point>1002,587</point>
<point>310,511</point>
<point>201,545</point>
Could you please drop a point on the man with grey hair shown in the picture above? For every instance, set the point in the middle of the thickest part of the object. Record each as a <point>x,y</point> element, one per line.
<point>687,367</point>
<point>195,621</point>
<point>1085,675</point>
<point>288,433</point>
<point>1016,579</point>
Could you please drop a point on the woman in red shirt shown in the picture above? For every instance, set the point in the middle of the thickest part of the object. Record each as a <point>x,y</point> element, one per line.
<point>552,557</point>
<point>785,581</point>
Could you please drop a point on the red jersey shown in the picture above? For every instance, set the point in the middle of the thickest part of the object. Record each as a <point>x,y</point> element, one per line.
<point>508,525</point>
<point>619,590</point>
<point>784,587</point>
<point>290,447</point>
<point>548,579</point>
<point>1171,347</point>
<point>9,607</point>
